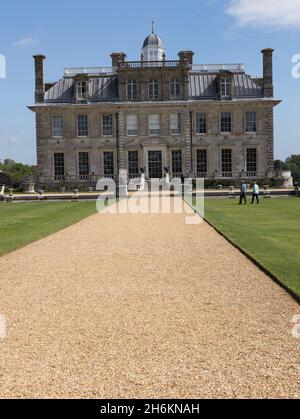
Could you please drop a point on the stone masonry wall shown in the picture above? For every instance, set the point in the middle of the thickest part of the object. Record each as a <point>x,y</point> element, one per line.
<point>213,141</point>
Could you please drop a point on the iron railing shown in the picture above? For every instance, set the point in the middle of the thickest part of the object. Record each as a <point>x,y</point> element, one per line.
<point>149,64</point>
<point>197,175</point>
<point>89,70</point>
<point>237,68</point>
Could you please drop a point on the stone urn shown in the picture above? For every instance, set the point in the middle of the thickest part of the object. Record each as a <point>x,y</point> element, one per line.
<point>284,179</point>
<point>29,184</point>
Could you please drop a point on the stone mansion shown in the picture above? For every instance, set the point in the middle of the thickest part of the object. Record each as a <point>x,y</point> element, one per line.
<point>153,115</point>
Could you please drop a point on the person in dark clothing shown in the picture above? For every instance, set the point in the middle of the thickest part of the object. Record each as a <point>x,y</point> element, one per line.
<point>244,192</point>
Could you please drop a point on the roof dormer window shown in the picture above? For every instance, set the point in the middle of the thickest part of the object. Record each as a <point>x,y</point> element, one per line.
<point>81,90</point>
<point>225,87</point>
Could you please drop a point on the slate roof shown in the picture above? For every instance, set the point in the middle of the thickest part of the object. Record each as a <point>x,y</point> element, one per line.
<point>204,86</point>
<point>101,89</point>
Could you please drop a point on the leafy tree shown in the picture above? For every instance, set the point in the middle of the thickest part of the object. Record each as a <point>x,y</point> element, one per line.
<point>279,165</point>
<point>16,171</point>
<point>292,163</point>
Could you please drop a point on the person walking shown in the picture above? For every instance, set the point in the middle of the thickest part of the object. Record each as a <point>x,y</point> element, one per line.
<point>255,194</point>
<point>244,192</point>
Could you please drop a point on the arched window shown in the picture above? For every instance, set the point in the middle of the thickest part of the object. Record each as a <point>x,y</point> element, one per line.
<point>132,90</point>
<point>153,90</point>
<point>175,88</point>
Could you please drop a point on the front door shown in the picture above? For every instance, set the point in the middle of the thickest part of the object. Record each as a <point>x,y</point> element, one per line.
<point>155,164</point>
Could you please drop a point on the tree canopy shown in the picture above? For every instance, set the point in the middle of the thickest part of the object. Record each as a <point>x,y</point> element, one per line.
<point>292,163</point>
<point>16,171</point>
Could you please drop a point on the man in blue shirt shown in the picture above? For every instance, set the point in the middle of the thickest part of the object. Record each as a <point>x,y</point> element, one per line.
<point>255,194</point>
<point>244,192</point>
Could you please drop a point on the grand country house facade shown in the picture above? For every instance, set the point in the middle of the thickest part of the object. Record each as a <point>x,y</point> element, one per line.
<point>152,115</point>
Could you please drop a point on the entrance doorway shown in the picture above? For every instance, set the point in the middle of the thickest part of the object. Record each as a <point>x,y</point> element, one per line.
<point>155,164</point>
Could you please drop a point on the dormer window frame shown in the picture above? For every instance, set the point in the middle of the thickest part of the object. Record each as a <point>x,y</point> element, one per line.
<point>225,85</point>
<point>81,89</point>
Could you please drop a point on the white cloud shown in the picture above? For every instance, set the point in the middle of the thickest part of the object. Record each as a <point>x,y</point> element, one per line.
<point>274,14</point>
<point>25,42</point>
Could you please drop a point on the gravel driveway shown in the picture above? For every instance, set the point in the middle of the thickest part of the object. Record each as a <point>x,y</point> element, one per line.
<point>143,306</point>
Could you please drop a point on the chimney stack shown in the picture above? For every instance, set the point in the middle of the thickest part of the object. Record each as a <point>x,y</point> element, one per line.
<point>186,55</point>
<point>39,78</point>
<point>268,72</point>
<point>117,57</point>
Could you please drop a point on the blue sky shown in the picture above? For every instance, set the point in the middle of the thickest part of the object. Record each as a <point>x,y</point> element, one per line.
<point>74,34</point>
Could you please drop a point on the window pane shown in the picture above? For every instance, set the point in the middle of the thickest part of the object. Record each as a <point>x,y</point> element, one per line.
<point>81,90</point>
<point>57,126</point>
<point>226,122</point>
<point>132,125</point>
<point>84,164</point>
<point>133,163</point>
<point>177,162</point>
<point>251,124</point>
<point>225,87</point>
<point>201,123</point>
<point>83,127</point>
<point>107,121</point>
<point>153,89</point>
<point>108,160</point>
<point>59,166</point>
<point>175,88</point>
<point>175,122</point>
<point>251,161</point>
<point>154,124</point>
<point>132,90</point>
<point>227,163</point>
<point>202,163</point>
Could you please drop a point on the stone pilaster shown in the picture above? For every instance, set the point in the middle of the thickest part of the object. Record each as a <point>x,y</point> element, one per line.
<point>270,136</point>
<point>187,137</point>
<point>122,139</point>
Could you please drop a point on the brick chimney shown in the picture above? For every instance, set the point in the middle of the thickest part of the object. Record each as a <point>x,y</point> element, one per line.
<point>268,72</point>
<point>117,57</point>
<point>39,78</point>
<point>186,55</point>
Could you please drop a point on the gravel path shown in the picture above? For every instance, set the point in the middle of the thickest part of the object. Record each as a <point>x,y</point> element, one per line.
<point>143,306</point>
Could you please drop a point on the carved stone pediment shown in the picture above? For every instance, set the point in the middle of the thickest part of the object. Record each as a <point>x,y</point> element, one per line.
<point>155,141</point>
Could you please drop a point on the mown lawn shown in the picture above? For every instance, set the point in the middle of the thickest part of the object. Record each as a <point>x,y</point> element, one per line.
<point>23,223</point>
<point>270,233</point>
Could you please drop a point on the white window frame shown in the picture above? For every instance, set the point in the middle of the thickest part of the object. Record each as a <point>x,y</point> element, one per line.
<point>247,113</point>
<point>87,126</point>
<point>175,126</point>
<point>132,122</point>
<point>55,118</point>
<point>174,84</point>
<point>197,120</point>
<point>110,126</point>
<point>154,126</point>
<point>82,90</point>
<point>225,87</point>
<point>132,90</point>
<point>153,85</point>
<point>221,130</point>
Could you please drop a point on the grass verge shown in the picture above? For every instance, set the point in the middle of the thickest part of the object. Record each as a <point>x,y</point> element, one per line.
<point>269,233</point>
<point>24,223</point>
